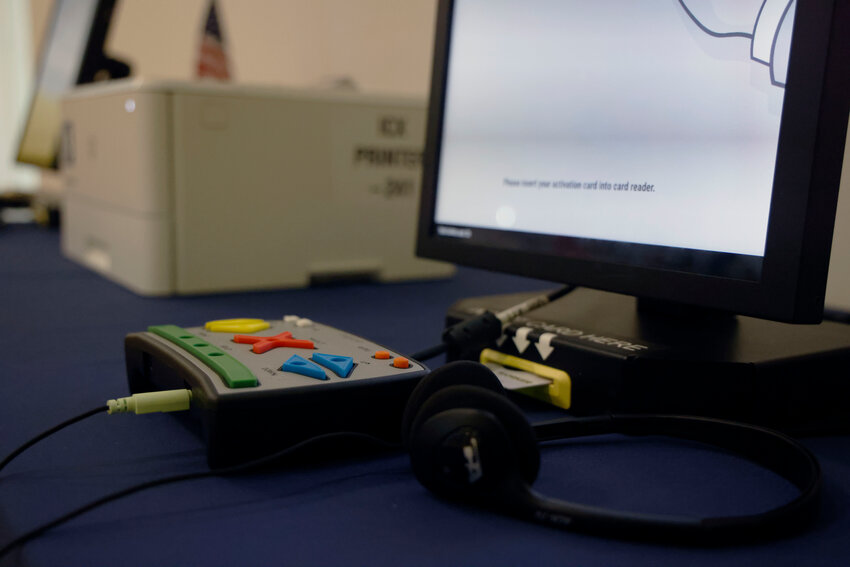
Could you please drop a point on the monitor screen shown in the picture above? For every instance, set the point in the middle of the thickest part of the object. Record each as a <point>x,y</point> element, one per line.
<point>70,55</point>
<point>631,146</point>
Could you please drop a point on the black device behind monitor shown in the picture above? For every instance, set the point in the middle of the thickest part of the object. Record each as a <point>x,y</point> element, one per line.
<point>681,153</point>
<point>71,54</point>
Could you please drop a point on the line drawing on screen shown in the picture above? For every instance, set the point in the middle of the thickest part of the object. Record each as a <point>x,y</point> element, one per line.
<point>765,22</point>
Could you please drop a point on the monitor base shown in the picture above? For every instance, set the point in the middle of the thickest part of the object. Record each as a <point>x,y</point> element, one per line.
<point>622,359</point>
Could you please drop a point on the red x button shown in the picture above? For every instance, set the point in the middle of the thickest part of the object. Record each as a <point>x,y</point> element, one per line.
<point>265,344</point>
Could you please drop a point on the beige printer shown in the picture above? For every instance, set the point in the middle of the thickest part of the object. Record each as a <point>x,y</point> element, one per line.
<point>183,188</point>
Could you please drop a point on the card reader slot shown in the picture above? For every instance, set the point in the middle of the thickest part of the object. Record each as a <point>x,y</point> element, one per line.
<point>553,386</point>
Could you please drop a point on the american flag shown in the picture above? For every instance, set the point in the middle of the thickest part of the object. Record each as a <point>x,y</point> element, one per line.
<point>212,60</point>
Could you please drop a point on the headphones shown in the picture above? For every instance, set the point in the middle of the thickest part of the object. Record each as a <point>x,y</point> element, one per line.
<point>468,442</point>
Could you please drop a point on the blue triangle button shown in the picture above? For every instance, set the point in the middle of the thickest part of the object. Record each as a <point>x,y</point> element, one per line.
<point>304,367</point>
<point>341,365</point>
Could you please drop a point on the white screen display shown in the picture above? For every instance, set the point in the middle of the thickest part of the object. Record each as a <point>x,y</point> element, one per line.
<point>651,122</point>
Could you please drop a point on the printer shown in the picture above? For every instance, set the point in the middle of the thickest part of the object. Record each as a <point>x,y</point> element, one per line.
<point>195,187</point>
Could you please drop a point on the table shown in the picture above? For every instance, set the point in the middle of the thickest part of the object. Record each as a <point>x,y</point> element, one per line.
<point>61,353</point>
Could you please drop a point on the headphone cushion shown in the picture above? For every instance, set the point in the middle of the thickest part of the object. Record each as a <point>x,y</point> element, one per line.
<point>451,374</point>
<point>518,429</point>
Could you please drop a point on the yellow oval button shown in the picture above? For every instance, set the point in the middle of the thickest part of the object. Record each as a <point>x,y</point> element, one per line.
<point>236,325</point>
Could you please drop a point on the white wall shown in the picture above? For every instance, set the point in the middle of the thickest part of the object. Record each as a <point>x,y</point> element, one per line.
<point>384,45</point>
<point>15,55</point>
<point>838,285</point>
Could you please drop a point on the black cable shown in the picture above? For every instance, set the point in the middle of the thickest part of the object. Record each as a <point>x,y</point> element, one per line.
<point>488,325</point>
<point>430,352</point>
<point>50,432</point>
<point>224,471</point>
<point>558,293</point>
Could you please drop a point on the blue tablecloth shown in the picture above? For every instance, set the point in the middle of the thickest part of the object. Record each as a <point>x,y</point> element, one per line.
<point>61,352</point>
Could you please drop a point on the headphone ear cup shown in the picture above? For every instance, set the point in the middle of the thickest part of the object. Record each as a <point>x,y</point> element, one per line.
<point>523,451</point>
<point>451,374</point>
<point>464,454</point>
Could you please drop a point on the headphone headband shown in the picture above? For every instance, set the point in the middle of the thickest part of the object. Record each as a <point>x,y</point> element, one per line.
<point>771,449</point>
<point>768,448</point>
<point>468,441</point>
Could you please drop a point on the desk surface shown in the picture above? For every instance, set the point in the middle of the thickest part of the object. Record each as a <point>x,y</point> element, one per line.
<point>62,353</point>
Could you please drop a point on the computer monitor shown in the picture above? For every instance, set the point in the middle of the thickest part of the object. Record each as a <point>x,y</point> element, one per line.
<point>71,54</point>
<point>679,151</point>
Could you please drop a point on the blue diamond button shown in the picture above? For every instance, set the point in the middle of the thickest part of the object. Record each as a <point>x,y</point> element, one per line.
<point>304,367</point>
<point>340,365</point>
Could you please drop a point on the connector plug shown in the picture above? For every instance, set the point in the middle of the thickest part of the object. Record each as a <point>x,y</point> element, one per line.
<point>149,402</point>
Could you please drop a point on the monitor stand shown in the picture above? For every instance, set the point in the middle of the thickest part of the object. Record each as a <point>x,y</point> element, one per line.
<point>625,356</point>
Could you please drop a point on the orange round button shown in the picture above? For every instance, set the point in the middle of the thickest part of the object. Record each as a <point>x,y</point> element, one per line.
<point>401,362</point>
<point>382,355</point>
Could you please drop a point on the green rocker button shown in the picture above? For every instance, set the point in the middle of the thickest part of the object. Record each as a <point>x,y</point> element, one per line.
<point>234,373</point>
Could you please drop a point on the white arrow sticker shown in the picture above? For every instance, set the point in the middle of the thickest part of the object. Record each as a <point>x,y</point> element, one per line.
<point>544,345</point>
<point>521,339</point>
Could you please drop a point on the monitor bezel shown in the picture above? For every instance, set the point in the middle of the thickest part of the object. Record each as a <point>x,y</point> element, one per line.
<point>799,235</point>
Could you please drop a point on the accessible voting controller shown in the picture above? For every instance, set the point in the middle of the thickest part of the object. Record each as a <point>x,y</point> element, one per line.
<point>260,386</point>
